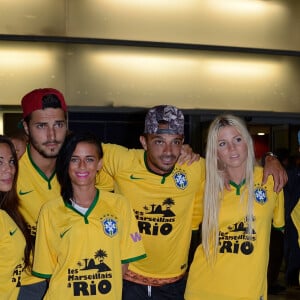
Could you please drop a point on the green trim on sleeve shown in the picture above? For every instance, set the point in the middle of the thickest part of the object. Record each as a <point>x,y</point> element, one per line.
<point>278,228</point>
<point>45,276</point>
<point>126,261</point>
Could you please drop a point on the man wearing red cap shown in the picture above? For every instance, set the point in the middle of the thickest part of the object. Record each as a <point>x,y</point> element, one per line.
<point>45,123</point>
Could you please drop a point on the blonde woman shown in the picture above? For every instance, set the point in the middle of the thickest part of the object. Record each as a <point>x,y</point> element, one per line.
<point>231,263</point>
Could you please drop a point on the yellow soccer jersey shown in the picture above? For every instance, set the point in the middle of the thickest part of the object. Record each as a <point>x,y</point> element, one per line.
<point>34,189</point>
<point>296,219</point>
<point>12,244</point>
<point>167,208</point>
<point>82,254</point>
<point>240,270</point>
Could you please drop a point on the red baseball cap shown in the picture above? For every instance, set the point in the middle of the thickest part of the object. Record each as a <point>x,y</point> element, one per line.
<point>33,100</point>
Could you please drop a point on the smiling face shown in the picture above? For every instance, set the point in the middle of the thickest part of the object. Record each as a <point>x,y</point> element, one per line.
<point>7,168</point>
<point>163,151</point>
<point>84,164</point>
<point>232,149</point>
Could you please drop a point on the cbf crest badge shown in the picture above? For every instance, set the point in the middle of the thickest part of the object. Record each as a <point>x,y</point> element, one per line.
<point>110,226</point>
<point>180,179</point>
<point>260,194</point>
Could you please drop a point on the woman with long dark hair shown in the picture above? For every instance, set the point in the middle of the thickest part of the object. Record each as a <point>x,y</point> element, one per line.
<point>15,243</point>
<point>86,237</point>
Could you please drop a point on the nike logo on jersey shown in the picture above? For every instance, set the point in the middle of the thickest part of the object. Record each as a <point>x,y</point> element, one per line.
<point>63,233</point>
<point>12,232</point>
<point>133,177</point>
<point>24,193</point>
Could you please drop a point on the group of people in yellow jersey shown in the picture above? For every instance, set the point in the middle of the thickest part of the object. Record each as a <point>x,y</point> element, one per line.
<point>87,238</point>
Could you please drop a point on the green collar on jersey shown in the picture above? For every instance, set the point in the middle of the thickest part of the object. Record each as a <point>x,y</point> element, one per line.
<point>237,186</point>
<point>164,176</point>
<point>90,209</point>
<point>43,175</point>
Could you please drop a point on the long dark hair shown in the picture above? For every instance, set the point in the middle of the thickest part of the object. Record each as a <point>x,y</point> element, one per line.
<point>64,158</point>
<point>9,201</point>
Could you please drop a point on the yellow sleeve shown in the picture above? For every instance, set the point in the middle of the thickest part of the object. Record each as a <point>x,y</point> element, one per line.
<point>296,218</point>
<point>197,210</point>
<point>132,244</point>
<point>112,162</point>
<point>115,158</point>
<point>104,181</point>
<point>278,216</point>
<point>45,258</point>
<point>198,201</point>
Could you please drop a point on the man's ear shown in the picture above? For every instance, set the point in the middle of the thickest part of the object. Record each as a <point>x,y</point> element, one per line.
<point>25,127</point>
<point>143,142</point>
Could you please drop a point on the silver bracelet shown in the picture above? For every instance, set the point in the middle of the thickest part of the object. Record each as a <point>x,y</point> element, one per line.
<point>271,154</point>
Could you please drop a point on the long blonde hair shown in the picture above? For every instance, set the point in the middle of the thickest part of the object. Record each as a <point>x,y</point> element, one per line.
<point>214,185</point>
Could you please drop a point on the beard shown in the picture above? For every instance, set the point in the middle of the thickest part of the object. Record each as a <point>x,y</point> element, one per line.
<point>159,166</point>
<point>45,151</point>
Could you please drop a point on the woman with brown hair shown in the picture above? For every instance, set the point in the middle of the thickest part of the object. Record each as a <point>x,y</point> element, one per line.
<point>15,244</point>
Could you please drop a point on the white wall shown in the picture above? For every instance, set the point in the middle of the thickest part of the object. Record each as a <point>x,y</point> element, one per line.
<point>263,78</point>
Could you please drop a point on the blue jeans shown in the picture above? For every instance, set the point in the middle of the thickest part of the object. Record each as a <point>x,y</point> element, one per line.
<point>34,291</point>
<point>172,291</point>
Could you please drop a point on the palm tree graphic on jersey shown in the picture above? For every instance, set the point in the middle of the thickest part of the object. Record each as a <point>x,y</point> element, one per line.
<point>89,263</point>
<point>157,209</point>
